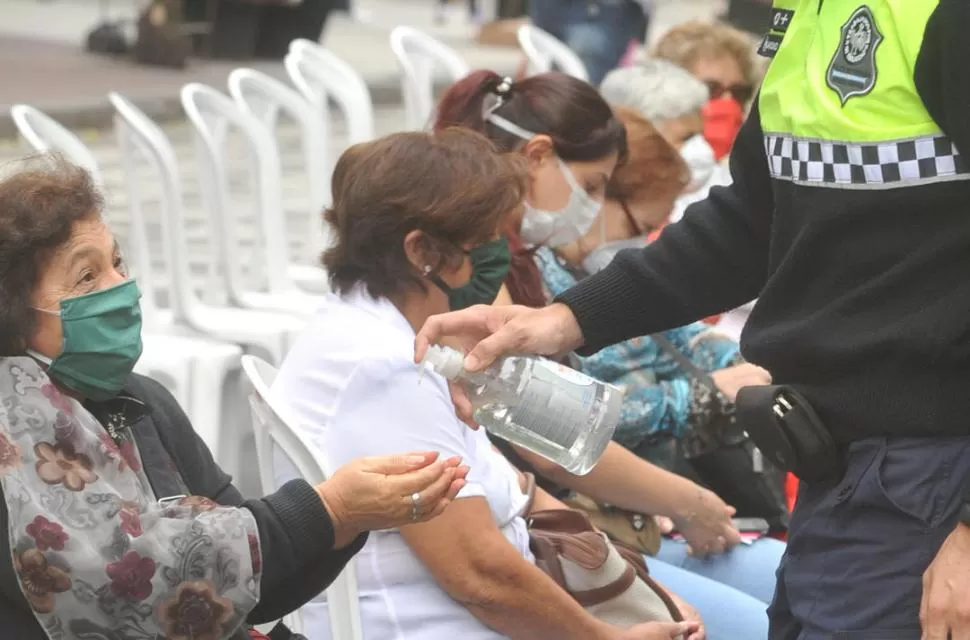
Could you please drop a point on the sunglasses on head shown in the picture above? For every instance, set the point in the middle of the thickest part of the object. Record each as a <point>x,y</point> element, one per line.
<point>740,92</point>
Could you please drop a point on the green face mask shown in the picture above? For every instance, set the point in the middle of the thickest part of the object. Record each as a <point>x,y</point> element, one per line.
<point>101,341</point>
<point>490,266</point>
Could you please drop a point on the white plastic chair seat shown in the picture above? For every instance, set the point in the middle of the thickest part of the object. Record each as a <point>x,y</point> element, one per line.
<point>274,433</point>
<point>297,303</point>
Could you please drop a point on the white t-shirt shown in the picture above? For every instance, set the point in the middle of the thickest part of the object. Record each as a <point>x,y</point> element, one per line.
<point>352,387</point>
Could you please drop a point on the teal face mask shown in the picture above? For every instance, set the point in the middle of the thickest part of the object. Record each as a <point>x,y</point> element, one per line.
<point>490,266</point>
<point>101,341</point>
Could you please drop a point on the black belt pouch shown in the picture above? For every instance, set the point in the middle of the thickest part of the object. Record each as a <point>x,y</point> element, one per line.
<point>789,433</point>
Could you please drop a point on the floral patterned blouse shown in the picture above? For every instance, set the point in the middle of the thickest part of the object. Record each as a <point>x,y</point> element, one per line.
<point>660,396</point>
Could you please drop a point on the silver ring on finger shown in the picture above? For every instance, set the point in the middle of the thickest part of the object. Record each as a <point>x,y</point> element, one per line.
<point>415,503</point>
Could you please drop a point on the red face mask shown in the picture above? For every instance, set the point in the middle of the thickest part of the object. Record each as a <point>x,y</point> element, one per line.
<point>723,118</point>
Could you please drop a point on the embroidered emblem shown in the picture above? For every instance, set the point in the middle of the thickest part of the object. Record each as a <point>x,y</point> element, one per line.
<point>852,71</point>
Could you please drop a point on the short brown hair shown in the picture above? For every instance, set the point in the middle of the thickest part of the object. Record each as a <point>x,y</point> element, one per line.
<point>653,168</point>
<point>453,185</point>
<point>689,42</point>
<point>40,200</point>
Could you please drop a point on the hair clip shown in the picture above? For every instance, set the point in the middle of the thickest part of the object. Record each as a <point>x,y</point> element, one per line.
<point>504,88</point>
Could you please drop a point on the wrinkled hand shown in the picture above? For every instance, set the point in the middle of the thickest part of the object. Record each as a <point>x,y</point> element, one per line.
<point>729,381</point>
<point>659,631</point>
<point>375,493</point>
<point>945,610</point>
<point>690,614</point>
<point>706,525</point>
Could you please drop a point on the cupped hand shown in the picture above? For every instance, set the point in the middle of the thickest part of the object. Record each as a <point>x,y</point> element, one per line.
<point>371,494</point>
<point>707,526</point>
<point>730,380</point>
<point>660,631</point>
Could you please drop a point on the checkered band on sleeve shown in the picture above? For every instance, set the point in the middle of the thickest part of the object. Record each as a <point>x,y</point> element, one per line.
<point>873,165</point>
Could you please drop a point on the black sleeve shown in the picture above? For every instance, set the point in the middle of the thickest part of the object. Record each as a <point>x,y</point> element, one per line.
<point>713,260</point>
<point>942,72</point>
<point>295,531</point>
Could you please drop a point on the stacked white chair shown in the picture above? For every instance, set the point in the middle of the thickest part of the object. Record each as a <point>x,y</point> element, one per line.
<point>545,53</point>
<point>322,76</point>
<point>213,115</point>
<point>266,98</point>
<point>271,334</point>
<point>418,55</point>
<point>274,431</point>
<point>194,369</point>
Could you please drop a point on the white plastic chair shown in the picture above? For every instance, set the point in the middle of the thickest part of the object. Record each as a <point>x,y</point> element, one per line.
<point>213,115</point>
<point>546,52</point>
<point>193,369</point>
<point>322,76</point>
<point>265,98</point>
<point>269,333</point>
<point>274,431</point>
<point>418,55</point>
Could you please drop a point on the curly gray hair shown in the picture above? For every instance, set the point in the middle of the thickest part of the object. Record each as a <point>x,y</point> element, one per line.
<point>657,89</point>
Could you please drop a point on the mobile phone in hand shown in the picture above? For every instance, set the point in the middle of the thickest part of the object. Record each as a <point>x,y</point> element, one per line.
<point>751,525</point>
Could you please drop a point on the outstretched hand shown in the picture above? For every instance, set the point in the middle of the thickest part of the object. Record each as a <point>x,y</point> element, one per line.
<point>371,494</point>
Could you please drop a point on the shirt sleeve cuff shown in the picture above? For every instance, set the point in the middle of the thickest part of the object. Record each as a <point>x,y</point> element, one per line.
<point>302,514</point>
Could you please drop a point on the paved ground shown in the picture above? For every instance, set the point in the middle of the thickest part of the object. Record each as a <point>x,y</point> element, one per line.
<point>41,61</point>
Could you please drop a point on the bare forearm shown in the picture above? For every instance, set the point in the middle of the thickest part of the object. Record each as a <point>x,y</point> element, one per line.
<point>521,602</point>
<point>627,481</point>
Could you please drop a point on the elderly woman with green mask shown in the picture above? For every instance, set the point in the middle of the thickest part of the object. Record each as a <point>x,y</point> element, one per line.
<point>115,522</point>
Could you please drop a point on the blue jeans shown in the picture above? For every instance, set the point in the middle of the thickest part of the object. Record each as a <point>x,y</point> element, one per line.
<point>857,548</point>
<point>598,31</point>
<point>748,568</point>
<point>728,614</point>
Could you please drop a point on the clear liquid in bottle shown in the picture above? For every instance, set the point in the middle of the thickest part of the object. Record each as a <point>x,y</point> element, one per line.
<point>552,410</point>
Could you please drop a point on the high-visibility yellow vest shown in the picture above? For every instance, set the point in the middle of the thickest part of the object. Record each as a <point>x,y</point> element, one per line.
<point>839,106</point>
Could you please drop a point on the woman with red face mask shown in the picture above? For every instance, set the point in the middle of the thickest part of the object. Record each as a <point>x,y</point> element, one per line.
<point>722,58</point>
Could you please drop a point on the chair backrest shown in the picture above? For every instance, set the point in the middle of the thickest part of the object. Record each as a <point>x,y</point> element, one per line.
<point>321,76</point>
<point>213,115</point>
<point>545,52</point>
<point>44,135</point>
<point>273,429</point>
<point>141,139</point>
<point>418,55</point>
<point>266,98</point>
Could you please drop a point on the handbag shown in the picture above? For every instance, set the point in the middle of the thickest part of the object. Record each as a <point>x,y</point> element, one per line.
<point>608,579</point>
<point>635,530</point>
<point>725,460</point>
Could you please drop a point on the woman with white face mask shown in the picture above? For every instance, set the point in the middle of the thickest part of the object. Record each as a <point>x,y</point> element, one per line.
<point>573,141</point>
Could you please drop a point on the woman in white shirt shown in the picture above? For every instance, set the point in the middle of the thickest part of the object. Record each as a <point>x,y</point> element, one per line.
<point>415,219</point>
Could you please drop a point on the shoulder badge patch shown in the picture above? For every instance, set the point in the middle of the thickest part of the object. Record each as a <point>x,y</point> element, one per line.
<point>852,71</point>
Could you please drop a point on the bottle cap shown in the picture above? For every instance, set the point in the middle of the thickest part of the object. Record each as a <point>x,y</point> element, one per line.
<point>445,361</point>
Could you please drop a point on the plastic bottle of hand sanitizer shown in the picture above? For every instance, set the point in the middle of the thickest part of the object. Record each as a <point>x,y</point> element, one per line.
<point>550,409</point>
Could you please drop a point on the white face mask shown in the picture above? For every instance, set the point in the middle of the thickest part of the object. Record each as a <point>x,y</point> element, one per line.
<point>554,228</point>
<point>557,228</point>
<point>699,156</point>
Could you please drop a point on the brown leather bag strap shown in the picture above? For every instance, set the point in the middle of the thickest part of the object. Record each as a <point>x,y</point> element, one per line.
<point>607,592</point>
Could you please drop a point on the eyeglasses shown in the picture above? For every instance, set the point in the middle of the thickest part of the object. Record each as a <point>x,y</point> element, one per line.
<point>740,92</point>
